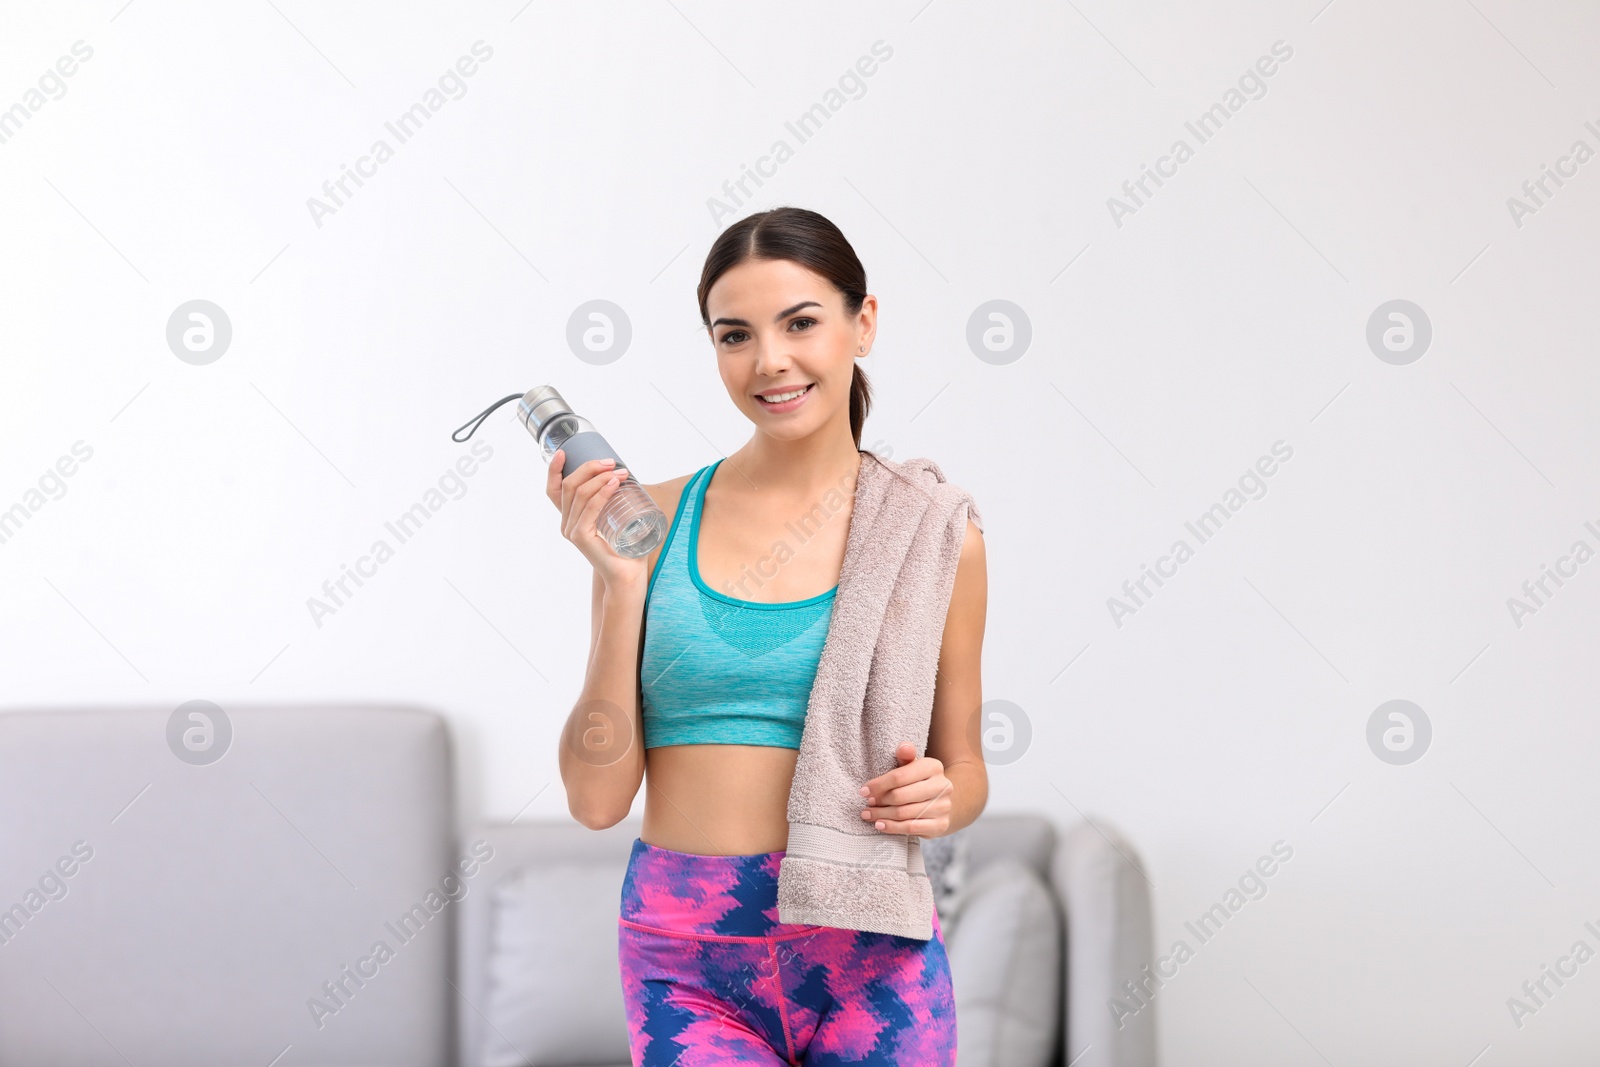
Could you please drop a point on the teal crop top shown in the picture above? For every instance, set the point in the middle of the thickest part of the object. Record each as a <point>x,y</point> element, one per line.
<point>716,669</point>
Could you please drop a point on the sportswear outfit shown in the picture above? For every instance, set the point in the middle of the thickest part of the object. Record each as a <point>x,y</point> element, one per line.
<point>709,974</point>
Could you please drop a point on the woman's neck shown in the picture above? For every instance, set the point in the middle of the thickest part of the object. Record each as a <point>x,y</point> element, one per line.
<point>798,468</point>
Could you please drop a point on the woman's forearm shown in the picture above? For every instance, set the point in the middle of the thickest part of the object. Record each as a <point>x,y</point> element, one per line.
<point>602,746</point>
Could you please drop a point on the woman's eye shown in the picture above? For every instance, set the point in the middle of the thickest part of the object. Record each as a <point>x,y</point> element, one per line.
<point>734,337</point>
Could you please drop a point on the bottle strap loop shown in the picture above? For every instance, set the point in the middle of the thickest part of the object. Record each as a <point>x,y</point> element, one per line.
<point>477,421</point>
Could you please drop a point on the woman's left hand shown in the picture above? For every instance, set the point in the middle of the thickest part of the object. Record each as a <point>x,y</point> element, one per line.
<point>914,798</point>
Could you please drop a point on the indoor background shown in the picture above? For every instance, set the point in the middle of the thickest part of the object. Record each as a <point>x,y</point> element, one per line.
<point>1306,289</point>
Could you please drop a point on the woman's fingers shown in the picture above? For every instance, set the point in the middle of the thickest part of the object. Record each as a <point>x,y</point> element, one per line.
<point>552,477</point>
<point>600,490</point>
<point>914,827</point>
<point>911,770</point>
<point>920,790</point>
<point>901,812</point>
<point>921,807</point>
<point>932,808</point>
<point>557,485</point>
<point>578,487</point>
<point>581,474</point>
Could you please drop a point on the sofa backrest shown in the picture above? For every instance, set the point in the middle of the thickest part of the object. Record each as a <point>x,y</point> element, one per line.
<point>161,905</point>
<point>1026,837</point>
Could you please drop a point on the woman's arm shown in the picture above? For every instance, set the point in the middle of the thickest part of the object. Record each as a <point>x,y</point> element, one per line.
<point>948,786</point>
<point>602,746</point>
<point>955,733</point>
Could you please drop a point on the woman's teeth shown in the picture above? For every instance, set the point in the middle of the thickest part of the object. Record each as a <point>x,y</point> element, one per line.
<point>778,398</point>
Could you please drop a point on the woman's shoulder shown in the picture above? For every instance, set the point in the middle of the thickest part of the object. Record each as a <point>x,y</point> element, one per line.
<point>667,494</point>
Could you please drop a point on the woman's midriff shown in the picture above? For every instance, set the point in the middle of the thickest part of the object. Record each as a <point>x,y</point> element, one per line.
<point>718,800</point>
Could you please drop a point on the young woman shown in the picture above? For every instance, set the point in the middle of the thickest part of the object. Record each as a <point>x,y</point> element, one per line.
<point>701,660</point>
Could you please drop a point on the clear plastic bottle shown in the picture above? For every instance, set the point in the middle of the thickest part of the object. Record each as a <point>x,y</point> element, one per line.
<point>630,522</point>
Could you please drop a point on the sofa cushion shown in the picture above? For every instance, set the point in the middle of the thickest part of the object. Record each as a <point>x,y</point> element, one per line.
<point>946,859</point>
<point>1006,964</point>
<point>555,988</point>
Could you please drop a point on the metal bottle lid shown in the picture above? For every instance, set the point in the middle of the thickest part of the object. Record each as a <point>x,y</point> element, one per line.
<point>539,406</point>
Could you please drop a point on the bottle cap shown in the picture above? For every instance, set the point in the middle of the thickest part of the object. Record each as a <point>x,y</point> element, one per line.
<point>539,406</point>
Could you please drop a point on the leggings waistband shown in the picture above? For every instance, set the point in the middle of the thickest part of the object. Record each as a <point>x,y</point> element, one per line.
<point>704,896</point>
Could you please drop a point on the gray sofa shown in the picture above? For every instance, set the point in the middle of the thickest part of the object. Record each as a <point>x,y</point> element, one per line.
<point>289,885</point>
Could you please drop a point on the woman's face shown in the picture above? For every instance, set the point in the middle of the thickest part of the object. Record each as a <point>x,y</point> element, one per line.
<point>779,327</point>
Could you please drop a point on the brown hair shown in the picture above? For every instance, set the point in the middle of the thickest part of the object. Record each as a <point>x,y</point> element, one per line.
<point>806,238</point>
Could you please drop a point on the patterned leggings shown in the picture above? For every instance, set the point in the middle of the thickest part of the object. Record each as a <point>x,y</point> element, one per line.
<point>709,975</point>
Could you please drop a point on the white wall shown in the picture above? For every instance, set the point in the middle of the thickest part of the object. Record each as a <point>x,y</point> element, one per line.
<point>1168,354</point>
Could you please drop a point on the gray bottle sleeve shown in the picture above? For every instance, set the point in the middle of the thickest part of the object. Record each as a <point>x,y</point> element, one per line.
<point>582,447</point>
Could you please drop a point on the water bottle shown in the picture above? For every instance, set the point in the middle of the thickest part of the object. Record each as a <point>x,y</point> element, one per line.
<point>630,521</point>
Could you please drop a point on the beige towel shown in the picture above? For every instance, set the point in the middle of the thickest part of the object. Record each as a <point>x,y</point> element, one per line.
<point>873,689</point>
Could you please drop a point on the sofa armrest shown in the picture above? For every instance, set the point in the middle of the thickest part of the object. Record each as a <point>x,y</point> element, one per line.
<point>1100,881</point>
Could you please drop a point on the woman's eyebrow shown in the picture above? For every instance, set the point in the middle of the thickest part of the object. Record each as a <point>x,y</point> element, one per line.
<point>779,317</point>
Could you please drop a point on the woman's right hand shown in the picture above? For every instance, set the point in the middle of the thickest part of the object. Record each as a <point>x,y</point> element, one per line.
<point>580,497</point>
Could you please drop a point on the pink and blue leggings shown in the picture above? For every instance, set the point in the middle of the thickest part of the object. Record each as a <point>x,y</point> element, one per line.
<point>710,976</point>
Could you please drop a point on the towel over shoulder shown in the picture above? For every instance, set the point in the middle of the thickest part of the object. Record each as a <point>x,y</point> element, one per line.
<point>873,690</point>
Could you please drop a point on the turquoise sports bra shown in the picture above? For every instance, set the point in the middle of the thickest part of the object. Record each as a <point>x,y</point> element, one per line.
<point>716,669</point>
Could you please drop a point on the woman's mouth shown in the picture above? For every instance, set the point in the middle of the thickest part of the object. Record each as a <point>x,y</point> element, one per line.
<point>788,400</point>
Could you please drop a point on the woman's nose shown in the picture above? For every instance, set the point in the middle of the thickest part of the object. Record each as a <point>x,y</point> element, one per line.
<point>772,359</point>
